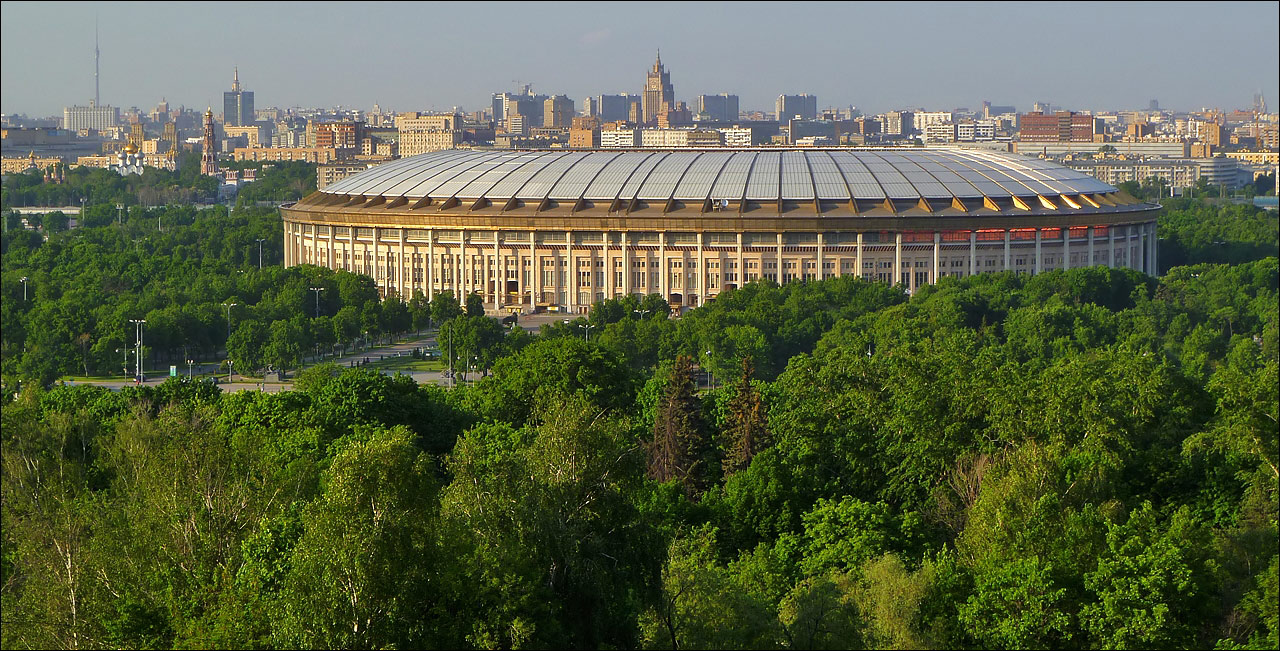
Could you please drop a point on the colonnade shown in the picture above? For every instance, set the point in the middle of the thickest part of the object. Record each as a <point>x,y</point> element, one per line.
<point>567,270</point>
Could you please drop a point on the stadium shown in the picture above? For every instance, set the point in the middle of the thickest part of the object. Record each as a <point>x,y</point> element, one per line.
<point>557,230</point>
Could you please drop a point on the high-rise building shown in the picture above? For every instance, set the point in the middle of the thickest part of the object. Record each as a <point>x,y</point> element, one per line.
<point>720,108</point>
<point>590,107</point>
<point>804,106</point>
<point>658,92</point>
<point>557,111</point>
<point>615,108</point>
<point>1063,126</point>
<point>99,118</point>
<point>237,104</point>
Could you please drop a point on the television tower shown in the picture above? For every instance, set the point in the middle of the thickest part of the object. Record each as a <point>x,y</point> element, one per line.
<point>96,99</point>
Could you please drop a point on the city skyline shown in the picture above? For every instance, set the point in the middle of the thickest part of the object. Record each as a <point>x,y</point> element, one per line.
<point>186,54</point>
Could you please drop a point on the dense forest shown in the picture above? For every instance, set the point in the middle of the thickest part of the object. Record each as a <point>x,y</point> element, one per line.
<point>1076,459</point>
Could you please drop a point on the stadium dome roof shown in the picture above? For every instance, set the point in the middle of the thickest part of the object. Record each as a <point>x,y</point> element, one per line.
<point>716,175</point>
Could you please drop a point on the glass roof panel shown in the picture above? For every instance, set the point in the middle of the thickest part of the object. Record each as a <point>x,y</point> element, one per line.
<point>763,184</point>
<point>826,177</point>
<point>558,163</point>
<point>606,185</point>
<point>422,184</point>
<point>641,172</point>
<point>575,182</point>
<point>732,184</point>
<point>697,181</point>
<point>797,182</point>
<point>861,181</point>
<point>388,175</point>
<point>482,184</point>
<point>452,186</point>
<point>665,176</point>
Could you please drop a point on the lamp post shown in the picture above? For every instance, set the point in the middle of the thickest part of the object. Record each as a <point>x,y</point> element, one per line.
<point>317,290</point>
<point>711,378</point>
<point>641,312</point>
<point>230,368</point>
<point>189,363</point>
<point>229,306</point>
<point>260,241</point>
<point>24,288</point>
<point>119,214</point>
<point>126,359</point>
<point>586,335</point>
<point>138,323</point>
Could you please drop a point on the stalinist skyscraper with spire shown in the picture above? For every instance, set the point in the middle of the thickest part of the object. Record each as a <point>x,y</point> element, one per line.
<point>237,105</point>
<point>658,94</point>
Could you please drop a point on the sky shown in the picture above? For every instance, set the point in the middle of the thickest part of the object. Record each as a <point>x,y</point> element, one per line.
<point>435,56</point>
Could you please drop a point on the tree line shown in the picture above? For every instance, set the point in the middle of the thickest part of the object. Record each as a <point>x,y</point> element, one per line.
<point>1076,459</point>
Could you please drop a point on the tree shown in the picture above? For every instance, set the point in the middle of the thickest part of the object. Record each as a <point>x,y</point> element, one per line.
<point>746,433</point>
<point>680,449</point>
<point>444,307</point>
<point>1151,583</point>
<point>475,305</point>
<point>361,572</point>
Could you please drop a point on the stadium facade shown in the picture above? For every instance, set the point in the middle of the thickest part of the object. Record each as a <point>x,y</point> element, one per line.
<point>561,229</point>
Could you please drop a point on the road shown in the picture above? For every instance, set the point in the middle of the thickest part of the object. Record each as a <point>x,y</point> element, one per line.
<point>530,323</point>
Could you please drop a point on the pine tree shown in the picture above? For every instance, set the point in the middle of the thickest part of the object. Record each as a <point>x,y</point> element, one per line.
<point>681,448</point>
<point>747,431</point>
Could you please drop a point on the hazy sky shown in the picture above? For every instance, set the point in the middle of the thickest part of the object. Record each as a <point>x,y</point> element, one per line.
<point>877,56</point>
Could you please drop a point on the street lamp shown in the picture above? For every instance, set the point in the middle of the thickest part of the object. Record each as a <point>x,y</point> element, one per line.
<point>586,335</point>
<point>119,214</point>
<point>317,290</point>
<point>126,359</point>
<point>138,323</point>
<point>711,378</point>
<point>260,241</point>
<point>230,367</point>
<point>24,288</point>
<point>229,306</point>
<point>641,312</point>
<point>189,363</point>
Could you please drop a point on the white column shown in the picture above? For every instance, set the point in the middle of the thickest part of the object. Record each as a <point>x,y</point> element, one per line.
<point>1111,244</point>
<point>515,255</point>
<point>497,271</point>
<point>702,274</point>
<point>461,253</point>
<point>780,271</point>
<point>1066,247</point>
<point>1006,249</point>
<point>535,273</point>
<point>973,253</point>
<point>897,259</point>
<point>332,264</point>
<point>1092,236</point>
<point>742,265</point>
<point>1154,257</point>
<point>820,273</point>
<point>626,267</point>
<point>431,265</point>
<point>1142,245</point>
<point>663,286</point>
<point>1039,258</point>
<point>400,283</point>
<point>571,293</point>
<point>937,251</point>
<point>858,256</point>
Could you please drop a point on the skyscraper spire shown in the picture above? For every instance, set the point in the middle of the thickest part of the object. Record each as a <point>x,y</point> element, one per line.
<point>235,82</point>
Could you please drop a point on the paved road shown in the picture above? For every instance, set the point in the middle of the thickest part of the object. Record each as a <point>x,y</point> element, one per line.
<point>531,323</point>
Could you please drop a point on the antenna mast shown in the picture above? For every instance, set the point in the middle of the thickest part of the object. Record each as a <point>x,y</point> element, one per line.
<point>96,99</point>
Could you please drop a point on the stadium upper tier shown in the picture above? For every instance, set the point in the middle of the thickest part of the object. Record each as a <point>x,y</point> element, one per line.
<point>893,179</point>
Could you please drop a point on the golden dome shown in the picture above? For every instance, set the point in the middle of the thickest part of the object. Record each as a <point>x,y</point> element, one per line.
<point>130,148</point>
